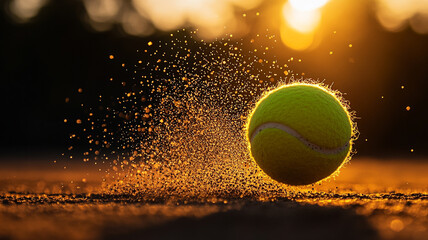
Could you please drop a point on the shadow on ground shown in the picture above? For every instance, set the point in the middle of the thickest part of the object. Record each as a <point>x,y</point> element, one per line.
<point>287,220</point>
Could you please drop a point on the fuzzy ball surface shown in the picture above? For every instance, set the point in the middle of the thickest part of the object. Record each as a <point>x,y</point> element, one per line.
<point>299,134</point>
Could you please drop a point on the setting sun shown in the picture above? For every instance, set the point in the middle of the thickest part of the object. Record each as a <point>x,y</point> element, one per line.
<point>300,21</point>
<point>307,5</point>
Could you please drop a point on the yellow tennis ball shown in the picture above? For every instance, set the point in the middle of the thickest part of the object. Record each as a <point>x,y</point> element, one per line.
<point>300,134</point>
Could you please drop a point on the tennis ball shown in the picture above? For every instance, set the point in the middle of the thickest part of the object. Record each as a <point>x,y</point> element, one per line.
<point>300,133</point>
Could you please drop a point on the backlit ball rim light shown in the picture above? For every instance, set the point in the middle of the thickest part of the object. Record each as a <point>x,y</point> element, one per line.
<point>336,94</point>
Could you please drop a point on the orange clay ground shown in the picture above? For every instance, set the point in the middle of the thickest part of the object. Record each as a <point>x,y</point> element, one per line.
<point>371,199</point>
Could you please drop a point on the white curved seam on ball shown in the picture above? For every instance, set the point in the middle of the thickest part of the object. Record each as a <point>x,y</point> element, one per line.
<point>295,134</point>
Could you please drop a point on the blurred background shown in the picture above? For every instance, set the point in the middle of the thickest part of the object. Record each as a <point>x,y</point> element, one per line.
<point>375,51</point>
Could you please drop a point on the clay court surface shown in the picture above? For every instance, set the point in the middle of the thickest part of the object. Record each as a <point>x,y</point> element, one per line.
<point>371,199</point>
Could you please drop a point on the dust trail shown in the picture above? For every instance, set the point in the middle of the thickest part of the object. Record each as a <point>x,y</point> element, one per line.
<point>178,129</point>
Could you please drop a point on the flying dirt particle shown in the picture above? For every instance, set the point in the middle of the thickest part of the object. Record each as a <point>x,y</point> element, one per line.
<point>177,128</point>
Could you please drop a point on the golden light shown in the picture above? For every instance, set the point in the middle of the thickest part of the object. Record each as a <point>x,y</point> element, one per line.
<point>102,10</point>
<point>295,39</point>
<point>300,20</point>
<point>24,10</point>
<point>209,16</point>
<point>396,15</point>
<point>102,13</point>
<point>307,5</point>
<point>134,24</point>
<point>138,17</point>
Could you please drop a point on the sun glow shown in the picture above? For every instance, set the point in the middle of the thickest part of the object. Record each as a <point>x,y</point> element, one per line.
<point>300,20</point>
<point>307,5</point>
